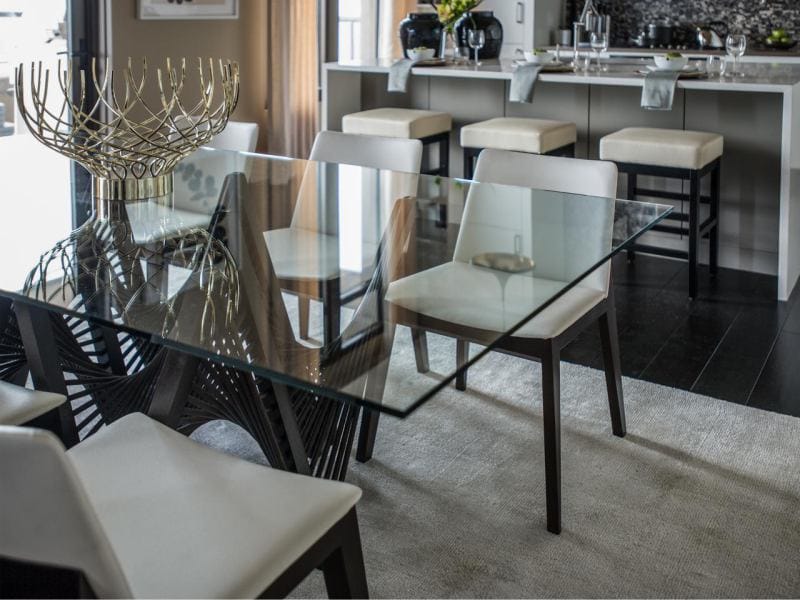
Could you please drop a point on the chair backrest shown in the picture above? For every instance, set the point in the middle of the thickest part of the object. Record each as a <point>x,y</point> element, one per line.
<point>492,214</point>
<point>46,516</point>
<point>237,136</point>
<point>374,152</point>
<point>204,174</point>
<point>397,163</point>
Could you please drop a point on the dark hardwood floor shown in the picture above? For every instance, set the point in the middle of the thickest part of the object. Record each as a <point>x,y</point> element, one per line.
<point>734,342</point>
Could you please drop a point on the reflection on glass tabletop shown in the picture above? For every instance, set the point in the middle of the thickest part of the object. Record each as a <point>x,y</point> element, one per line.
<point>310,273</point>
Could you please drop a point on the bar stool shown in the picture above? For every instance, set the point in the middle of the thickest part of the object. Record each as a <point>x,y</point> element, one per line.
<point>429,127</point>
<point>533,136</point>
<point>673,154</point>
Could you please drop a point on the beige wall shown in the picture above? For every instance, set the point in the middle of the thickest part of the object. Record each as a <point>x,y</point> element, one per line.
<point>243,40</point>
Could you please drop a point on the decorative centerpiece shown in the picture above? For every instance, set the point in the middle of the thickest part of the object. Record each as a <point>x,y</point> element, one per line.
<point>130,132</point>
<point>130,136</point>
<point>450,12</point>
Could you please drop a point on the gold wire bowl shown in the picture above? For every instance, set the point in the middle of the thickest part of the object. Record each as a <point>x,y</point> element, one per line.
<point>133,135</point>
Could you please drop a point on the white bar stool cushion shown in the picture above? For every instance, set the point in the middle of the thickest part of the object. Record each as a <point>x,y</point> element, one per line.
<point>188,521</point>
<point>533,136</point>
<point>398,123</point>
<point>662,147</point>
<point>19,405</point>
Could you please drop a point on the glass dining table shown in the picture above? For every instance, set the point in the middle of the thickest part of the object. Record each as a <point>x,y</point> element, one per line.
<point>275,293</point>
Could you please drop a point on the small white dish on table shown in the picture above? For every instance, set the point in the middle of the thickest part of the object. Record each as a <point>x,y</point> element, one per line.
<point>537,57</point>
<point>671,62</point>
<point>421,54</point>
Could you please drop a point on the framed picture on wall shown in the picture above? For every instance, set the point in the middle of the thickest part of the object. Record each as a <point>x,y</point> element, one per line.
<point>188,9</point>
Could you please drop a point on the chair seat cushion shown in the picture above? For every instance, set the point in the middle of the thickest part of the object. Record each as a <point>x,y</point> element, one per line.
<point>662,147</point>
<point>19,405</point>
<point>398,123</point>
<point>535,136</point>
<point>462,294</point>
<point>299,254</point>
<point>187,521</point>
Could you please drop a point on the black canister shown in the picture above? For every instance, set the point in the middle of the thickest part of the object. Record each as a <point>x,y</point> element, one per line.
<point>420,29</point>
<point>481,19</point>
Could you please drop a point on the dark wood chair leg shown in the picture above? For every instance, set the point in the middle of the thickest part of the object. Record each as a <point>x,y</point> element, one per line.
<point>462,357</point>
<point>303,311</point>
<point>420,340</point>
<point>344,572</point>
<point>694,231</point>
<point>551,412</point>
<point>610,341</point>
<point>713,237</point>
<point>367,434</point>
<point>633,181</point>
<point>331,309</point>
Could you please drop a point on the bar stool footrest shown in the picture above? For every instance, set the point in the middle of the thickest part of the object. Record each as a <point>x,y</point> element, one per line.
<point>658,251</point>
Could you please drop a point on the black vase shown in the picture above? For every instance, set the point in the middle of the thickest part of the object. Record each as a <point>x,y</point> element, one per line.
<point>481,19</point>
<point>420,29</point>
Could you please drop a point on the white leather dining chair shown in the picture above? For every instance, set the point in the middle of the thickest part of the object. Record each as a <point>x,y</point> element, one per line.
<point>306,255</point>
<point>465,301</point>
<point>19,405</point>
<point>139,510</point>
<point>202,180</point>
<point>238,136</point>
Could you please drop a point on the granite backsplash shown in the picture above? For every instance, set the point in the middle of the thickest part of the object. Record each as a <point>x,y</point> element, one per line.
<point>751,17</point>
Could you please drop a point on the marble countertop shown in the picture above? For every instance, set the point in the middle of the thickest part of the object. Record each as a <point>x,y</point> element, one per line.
<point>753,77</point>
<point>756,54</point>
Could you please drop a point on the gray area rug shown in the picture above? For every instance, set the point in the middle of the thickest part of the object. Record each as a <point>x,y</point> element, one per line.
<point>701,499</point>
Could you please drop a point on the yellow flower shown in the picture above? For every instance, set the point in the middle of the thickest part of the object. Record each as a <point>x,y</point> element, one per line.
<point>450,11</point>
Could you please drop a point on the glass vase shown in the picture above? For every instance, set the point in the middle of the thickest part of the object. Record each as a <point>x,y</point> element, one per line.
<point>449,48</point>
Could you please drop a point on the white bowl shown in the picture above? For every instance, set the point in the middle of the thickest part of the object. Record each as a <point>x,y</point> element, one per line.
<point>418,54</point>
<point>539,59</point>
<point>666,63</point>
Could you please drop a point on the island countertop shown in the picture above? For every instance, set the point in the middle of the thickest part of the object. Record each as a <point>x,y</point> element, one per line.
<point>757,112</point>
<point>753,77</point>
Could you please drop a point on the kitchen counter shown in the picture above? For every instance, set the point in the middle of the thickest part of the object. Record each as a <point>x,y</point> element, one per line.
<point>754,55</point>
<point>621,72</point>
<point>758,113</point>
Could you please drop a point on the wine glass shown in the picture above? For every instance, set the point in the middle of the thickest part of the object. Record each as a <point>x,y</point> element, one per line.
<point>477,40</point>
<point>599,43</point>
<point>735,46</point>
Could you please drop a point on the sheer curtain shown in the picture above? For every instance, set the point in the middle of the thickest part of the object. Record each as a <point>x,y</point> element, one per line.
<point>293,78</point>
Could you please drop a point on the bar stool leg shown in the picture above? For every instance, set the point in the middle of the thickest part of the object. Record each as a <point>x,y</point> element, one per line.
<point>713,237</point>
<point>694,231</point>
<point>444,155</point>
<point>467,163</point>
<point>470,156</point>
<point>631,195</point>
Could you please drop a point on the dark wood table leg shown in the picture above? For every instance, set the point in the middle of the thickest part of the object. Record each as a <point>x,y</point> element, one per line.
<point>13,364</point>
<point>173,386</point>
<point>38,337</point>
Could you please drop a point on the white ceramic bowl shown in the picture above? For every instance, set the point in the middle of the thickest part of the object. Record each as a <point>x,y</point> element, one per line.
<point>539,59</point>
<point>418,54</point>
<point>666,63</point>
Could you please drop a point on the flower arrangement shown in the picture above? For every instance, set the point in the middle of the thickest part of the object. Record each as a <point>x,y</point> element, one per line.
<point>450,11</point>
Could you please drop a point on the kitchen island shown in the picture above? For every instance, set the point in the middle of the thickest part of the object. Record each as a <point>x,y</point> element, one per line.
<point>758,112</point>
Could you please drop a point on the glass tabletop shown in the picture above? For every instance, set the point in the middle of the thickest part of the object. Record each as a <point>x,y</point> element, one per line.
<point>320,276</point>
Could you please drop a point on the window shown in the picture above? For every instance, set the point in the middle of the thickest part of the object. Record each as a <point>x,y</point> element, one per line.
<point>369,28</point>
<point>28,31</point>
